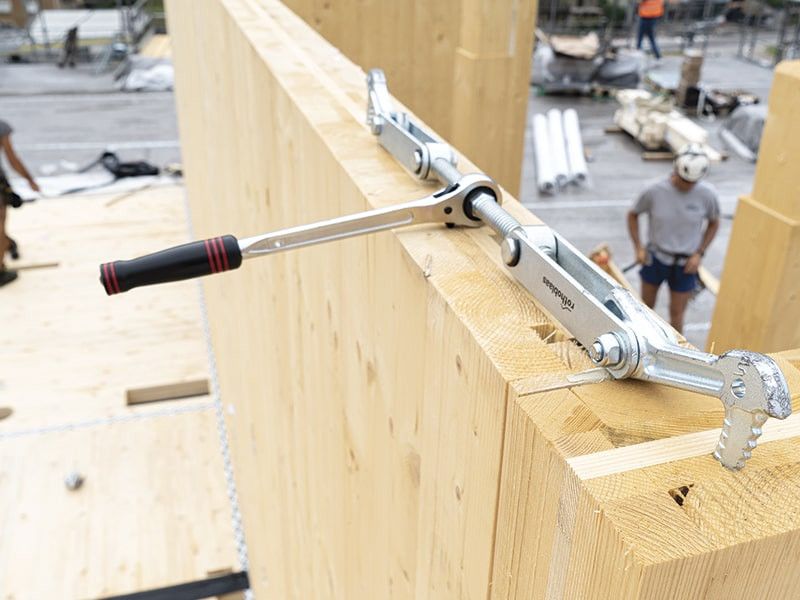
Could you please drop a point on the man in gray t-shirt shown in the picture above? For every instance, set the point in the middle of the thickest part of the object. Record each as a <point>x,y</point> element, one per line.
<point>683,218</point>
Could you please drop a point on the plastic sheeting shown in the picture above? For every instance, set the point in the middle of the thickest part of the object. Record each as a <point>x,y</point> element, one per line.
<point>148,75</point>
<point>746,123</point>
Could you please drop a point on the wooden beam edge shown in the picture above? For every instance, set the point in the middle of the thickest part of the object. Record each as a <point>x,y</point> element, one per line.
<point>681,447</point>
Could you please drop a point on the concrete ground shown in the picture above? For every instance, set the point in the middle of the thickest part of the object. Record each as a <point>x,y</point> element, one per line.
<point>72,116</point>
<point>596,214</point>
<point>36,79</point>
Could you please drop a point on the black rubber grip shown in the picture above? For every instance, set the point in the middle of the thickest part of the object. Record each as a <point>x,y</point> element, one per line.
<point>194,259</point>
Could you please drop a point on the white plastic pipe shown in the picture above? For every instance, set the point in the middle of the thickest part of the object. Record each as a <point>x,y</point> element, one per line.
<point>545,178</point>
<point>558,149</point>
<point>572,134</point>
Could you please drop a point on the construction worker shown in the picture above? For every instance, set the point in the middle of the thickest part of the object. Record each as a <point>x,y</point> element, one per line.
<point>650,11</point>
<point>7,197</point>
<point>677,209</point>
<point>70,51</point>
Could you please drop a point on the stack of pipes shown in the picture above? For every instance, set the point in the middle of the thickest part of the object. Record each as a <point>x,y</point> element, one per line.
<point>558,150</point>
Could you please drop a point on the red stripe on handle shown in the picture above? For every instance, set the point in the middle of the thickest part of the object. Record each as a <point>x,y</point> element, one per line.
<point>211,262</point>
<point>217,257</point>
<point>115,283</point>
<point>106,282</point>
<point>110,282</point>
<point>224,253</point>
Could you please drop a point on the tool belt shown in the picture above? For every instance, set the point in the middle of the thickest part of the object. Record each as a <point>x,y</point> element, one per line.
<point>8,196</point>
<point>675,260</point>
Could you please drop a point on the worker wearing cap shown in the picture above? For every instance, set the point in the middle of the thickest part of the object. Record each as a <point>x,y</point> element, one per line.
<point>683,218</point>
<point>650,11</point>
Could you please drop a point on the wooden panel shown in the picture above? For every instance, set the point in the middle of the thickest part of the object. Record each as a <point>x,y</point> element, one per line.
<point>157,46</point>
<point>588,510</point>
<point>402,424</point>
<point>777,181</point>
<point>153,509</point>
<point>461,65</point>
<point>757,306</point>
<point>151,512</point>
<point>62,332</point>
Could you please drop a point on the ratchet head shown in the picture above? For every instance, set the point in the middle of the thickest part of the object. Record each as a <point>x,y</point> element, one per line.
<point>754,389</point>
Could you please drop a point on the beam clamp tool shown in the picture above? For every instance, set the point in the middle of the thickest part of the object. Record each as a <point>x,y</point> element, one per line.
<point>623,338</point>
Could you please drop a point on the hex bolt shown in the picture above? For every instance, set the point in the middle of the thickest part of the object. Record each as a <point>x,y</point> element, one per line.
<point>606,351</point>
<point>509,250</point>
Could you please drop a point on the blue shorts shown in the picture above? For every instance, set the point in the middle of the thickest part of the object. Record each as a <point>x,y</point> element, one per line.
<point>656,272</point>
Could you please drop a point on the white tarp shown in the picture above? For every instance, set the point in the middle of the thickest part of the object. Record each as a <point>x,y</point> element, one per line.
<point>747,124</point>
<point>144,74</point>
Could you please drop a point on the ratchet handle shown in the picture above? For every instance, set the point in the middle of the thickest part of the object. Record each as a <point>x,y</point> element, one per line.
<point>187,261</point>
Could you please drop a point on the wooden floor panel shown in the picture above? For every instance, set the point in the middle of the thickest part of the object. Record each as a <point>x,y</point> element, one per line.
<point>153,509</point>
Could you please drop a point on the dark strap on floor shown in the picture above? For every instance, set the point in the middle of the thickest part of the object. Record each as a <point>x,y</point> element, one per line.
<point>194,590</point>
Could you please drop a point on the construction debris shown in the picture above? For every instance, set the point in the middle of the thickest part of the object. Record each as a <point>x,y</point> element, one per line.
<point>585,47</point>
<point>653,121</point>
<point>171,391</point>
<point>724,102</point>
<point>582,64</point>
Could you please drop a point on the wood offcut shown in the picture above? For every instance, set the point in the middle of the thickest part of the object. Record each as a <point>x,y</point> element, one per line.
<point>171,391</point>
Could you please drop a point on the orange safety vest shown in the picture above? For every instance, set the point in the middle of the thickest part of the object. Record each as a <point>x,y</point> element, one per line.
<point>651,9</point>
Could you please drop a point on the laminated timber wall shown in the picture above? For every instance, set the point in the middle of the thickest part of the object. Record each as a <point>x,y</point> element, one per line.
<point>461,65</point>
<point>758,305</point>
<point>400,421</point>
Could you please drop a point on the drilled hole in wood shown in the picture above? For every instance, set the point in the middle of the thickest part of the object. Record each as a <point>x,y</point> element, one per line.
<point>679,493</point>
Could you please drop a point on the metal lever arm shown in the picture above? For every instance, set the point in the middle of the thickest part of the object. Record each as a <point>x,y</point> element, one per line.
<point>450,205</point>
